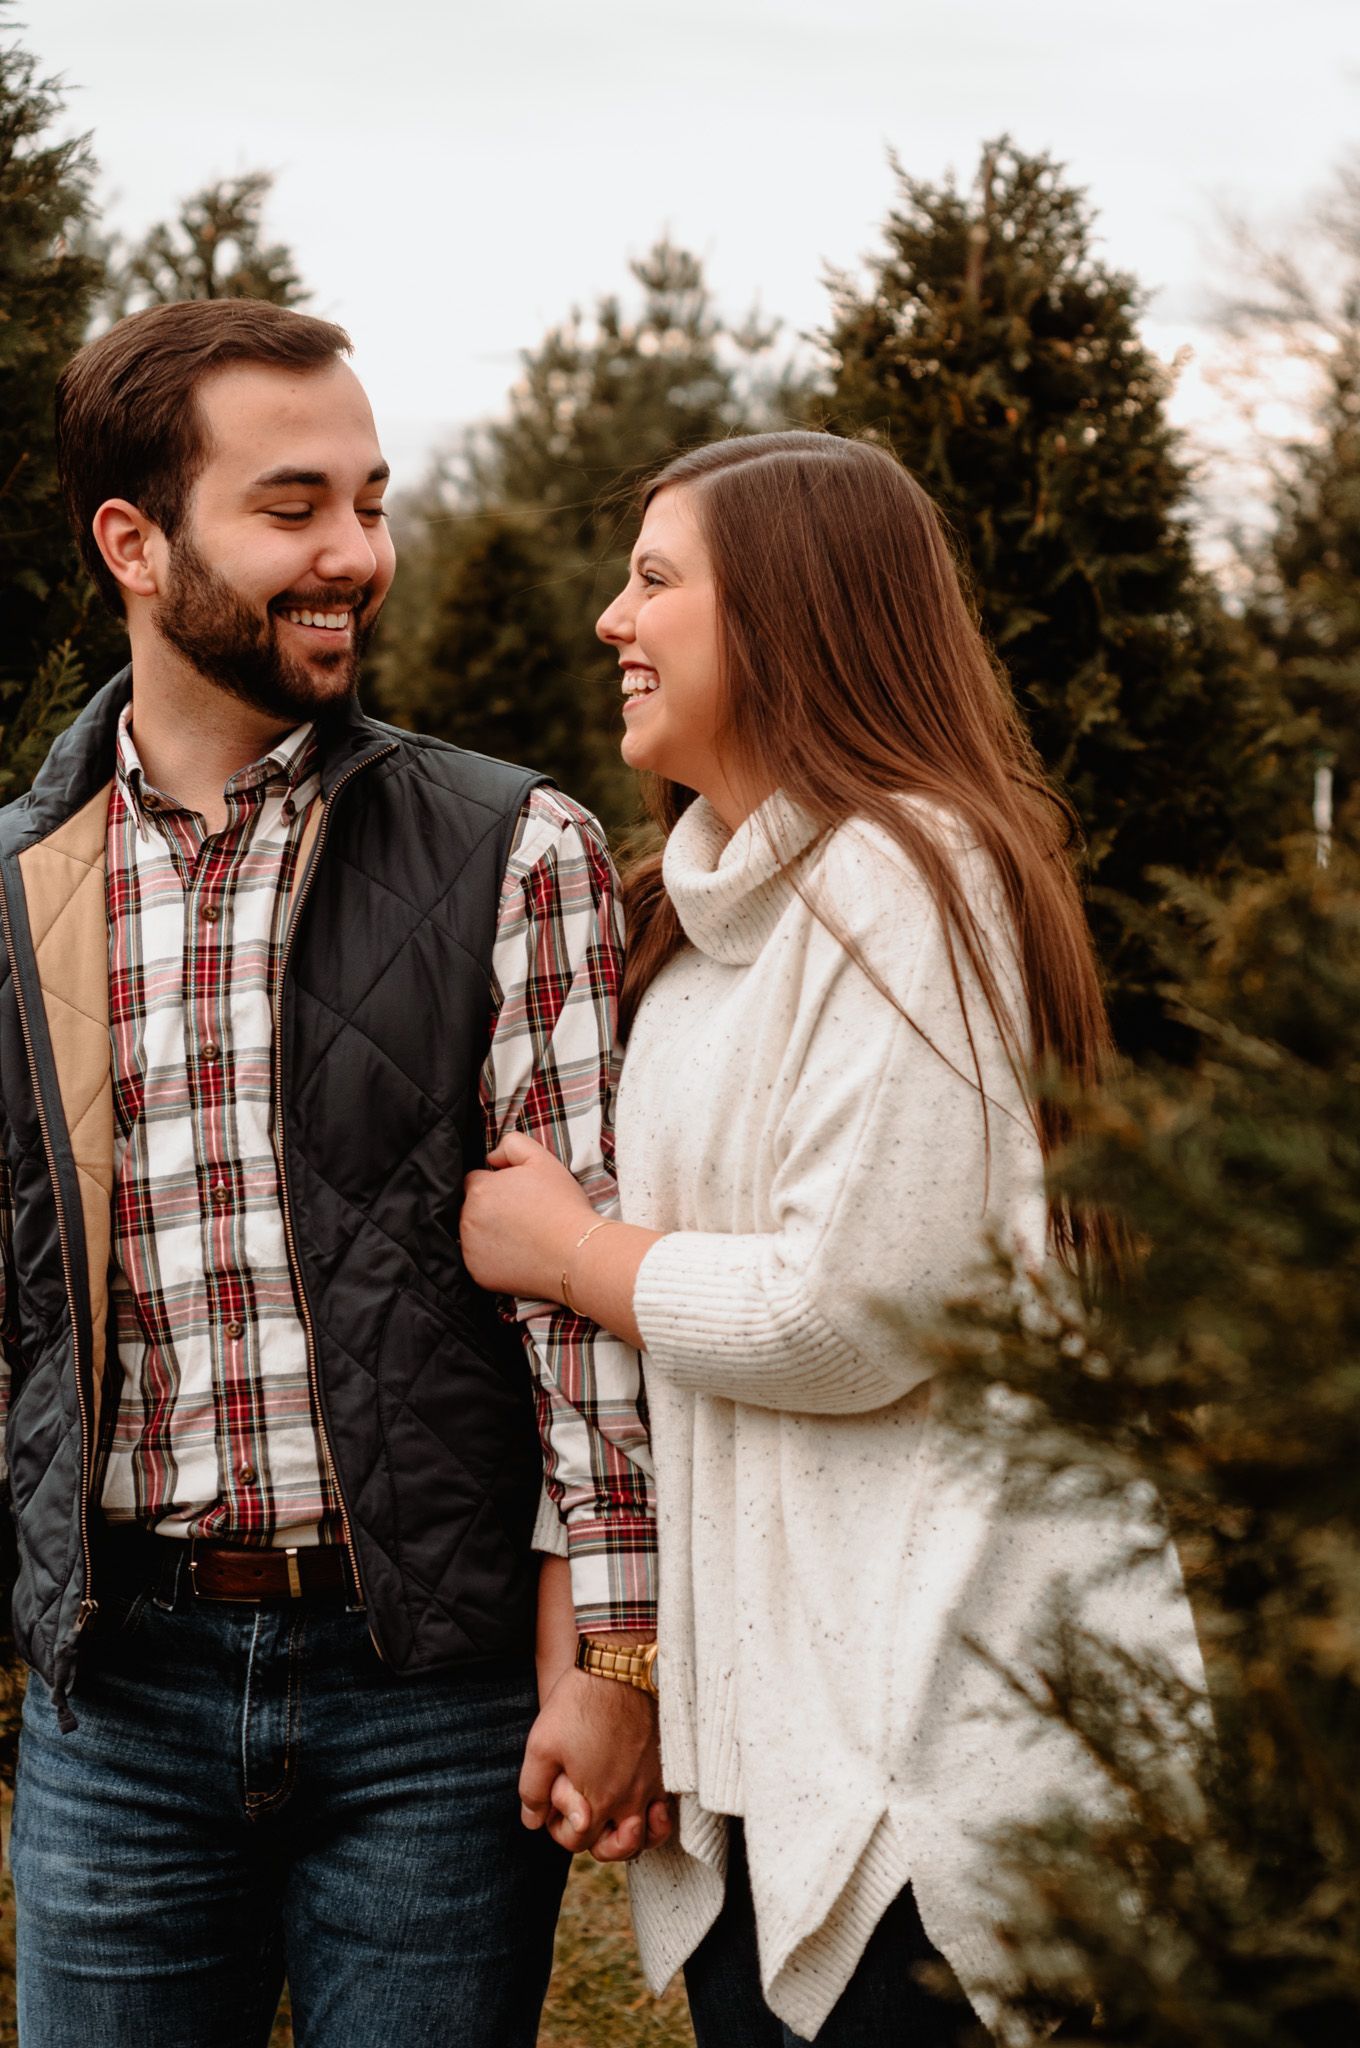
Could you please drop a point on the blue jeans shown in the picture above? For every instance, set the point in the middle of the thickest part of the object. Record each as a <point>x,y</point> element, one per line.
<point>882,2006</point>
<point>249,1791</point>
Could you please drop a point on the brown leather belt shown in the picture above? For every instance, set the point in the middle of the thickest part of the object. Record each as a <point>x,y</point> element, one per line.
<point>218,1572</point>
<point>223,1571</point>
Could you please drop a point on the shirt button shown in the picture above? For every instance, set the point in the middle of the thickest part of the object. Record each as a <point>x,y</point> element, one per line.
<point>210,913</point>
<point>247,1475</point>
<point>289,808</point>
<point>236,1329</point>
<point>210,1052</point>
<point>221,1195</point>
<point>150,803</point>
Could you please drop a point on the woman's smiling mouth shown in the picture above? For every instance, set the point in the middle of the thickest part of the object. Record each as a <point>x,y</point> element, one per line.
<point>638,684</point>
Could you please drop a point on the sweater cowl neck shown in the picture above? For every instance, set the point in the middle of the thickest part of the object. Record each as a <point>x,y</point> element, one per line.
<point>729,888</point>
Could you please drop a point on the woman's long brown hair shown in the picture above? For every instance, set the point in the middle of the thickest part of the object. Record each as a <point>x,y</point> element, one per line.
<point>854,672</point>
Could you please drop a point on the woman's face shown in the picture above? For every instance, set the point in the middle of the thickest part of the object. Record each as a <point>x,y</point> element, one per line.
<point>664,624</point>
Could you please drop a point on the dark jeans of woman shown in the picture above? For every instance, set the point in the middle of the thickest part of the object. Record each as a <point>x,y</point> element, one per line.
<point>882,2006</point>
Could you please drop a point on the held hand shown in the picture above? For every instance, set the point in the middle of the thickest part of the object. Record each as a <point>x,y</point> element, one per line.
<point>619,1845</point>
<point>521,1218</point>
<point>592,1769</point>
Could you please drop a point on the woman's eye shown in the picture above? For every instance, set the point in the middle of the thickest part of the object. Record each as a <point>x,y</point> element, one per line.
<point>652,581</point>
<point>373,511</point>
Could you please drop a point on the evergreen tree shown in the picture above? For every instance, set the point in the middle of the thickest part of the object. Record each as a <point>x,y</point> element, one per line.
<point>1308,603</point>
<point>48,279</point>
<point>613,397</point>
<point>512,550</point>
<point>215,248</point>
<point>1227,1371</point>
<point>1000,358</point>
<point>1315,559</point>
<point>494,622</point>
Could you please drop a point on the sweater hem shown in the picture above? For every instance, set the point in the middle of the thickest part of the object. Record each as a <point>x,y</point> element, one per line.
<point>676,1893</point>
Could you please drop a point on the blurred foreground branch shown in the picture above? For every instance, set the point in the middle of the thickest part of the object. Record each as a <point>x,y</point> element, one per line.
<point>1227,1374</point>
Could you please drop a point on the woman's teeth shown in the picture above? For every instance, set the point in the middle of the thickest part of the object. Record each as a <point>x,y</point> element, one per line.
<point>336,621</point>
<point>640,682</point>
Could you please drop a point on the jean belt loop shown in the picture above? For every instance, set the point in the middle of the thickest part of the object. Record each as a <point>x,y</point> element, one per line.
<point>165,1580</point>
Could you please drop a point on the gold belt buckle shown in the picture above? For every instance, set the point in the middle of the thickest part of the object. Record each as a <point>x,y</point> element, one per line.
<point>247,1599</point>
<point>193,1571</point>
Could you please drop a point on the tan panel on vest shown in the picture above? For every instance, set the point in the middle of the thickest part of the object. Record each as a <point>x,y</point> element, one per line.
<point>63,880</point>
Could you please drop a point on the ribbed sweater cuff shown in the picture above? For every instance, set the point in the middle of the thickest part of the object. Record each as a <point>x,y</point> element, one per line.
<point>721,1314</point>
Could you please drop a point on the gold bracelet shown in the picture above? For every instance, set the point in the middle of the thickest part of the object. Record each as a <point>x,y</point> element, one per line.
<point>584,1238</point>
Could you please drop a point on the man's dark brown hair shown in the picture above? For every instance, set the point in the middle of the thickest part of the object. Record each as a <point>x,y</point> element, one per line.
<point>128,425</point>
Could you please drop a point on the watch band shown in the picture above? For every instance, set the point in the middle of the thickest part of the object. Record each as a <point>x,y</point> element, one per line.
<point>635,1666</point>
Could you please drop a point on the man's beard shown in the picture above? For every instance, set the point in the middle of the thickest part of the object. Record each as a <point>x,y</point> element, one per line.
<point>229,643</point>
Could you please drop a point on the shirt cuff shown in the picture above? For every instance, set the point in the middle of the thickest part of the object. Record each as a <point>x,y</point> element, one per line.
<point>613,1572</point>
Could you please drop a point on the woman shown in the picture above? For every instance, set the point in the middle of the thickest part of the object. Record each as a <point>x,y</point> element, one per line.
<point>862,938</point>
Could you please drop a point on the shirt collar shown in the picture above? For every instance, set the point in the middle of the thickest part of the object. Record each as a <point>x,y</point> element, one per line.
<point>287,764</point>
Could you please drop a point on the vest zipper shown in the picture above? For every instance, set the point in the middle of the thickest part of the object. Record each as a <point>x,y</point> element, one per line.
<point>88,1605</point>
<point>309,1335</point>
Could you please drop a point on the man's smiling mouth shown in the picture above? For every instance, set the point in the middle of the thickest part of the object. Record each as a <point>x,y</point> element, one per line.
<point>328,612</point>
<point>330,622</point>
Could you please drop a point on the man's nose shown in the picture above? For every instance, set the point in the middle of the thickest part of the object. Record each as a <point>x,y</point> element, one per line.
<point>346,552</point>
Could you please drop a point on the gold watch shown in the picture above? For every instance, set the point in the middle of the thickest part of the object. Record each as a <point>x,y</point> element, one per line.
<point>635,1666</point>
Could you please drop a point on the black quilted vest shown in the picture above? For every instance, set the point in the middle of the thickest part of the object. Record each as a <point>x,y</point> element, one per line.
<point>425,1392</point>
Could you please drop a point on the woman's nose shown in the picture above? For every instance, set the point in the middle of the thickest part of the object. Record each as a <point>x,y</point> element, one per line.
<point>615,622</point>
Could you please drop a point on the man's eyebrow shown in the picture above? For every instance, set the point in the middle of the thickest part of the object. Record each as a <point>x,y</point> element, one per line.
<point>311,479</point>
<point>315,479</point>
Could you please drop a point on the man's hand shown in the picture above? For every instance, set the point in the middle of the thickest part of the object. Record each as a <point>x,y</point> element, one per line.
<point>592,1769</point>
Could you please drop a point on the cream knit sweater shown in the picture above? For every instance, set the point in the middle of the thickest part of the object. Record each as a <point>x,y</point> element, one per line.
<point>828,1559</point>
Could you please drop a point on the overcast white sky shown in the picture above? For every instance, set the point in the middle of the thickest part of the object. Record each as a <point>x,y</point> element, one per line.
<point>452,177</point>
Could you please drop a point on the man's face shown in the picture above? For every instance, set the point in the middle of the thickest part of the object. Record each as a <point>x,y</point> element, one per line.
<point>274,583</point>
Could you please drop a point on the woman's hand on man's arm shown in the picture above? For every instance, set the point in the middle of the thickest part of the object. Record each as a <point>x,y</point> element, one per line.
<point>524,1218</point>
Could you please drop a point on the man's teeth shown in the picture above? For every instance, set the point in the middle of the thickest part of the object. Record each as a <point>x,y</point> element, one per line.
<point>337,621</point>
<point>639,682</point>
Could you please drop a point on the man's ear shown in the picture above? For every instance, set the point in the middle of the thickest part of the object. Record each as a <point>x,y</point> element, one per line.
<point>128,541</point>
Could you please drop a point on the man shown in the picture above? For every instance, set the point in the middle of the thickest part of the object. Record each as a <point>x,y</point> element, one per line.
<point>274,978</point>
